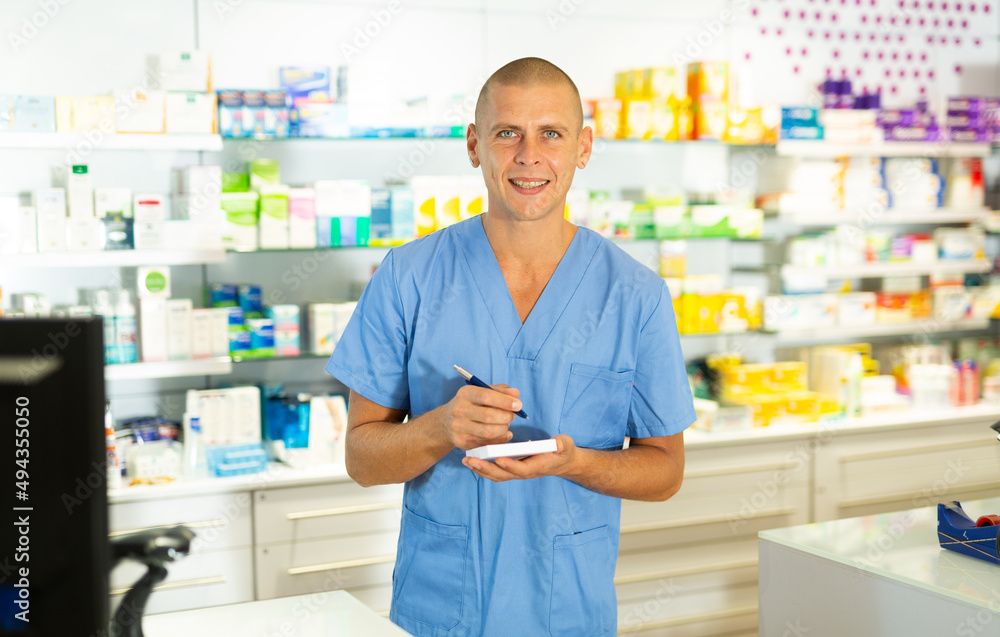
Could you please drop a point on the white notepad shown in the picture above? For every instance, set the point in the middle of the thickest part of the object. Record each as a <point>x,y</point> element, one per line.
<point>513,449</point>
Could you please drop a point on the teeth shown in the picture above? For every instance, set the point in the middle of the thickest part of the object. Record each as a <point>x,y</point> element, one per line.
<point>528,184</point>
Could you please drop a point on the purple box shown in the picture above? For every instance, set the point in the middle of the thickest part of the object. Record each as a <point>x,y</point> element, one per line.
<point>895,117</point>
<point>911,133</point>
<point>969,135</point>
<point>966,104</point>
<point>965,119</point>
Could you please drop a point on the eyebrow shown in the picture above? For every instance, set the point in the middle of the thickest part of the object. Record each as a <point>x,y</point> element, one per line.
<point>559,128</point>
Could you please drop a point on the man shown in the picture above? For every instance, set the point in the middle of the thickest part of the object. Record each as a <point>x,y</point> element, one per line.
<point>565,325</point>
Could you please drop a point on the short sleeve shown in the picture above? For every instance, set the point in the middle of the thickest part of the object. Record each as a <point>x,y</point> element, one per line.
<point>661,396</point>
<point>370,357</point>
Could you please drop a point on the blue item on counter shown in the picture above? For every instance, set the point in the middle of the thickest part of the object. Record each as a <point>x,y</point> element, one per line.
<point>236,459</point>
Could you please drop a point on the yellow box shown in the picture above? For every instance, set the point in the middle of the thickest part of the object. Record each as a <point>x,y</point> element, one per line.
<point>636,85</point>
<point>661,81</point>
<point>710,119</point>
<point>745,126</point>
<point>662,119</point>
<point>764,408</point>
<point>685,121</point>
<point>789,376</point>
<point>801,407</point>
<point>708,79</point>
<point>607,116</point>
<point>636,120</point>
<point>700,313</point>
<point>738,380</point>
<point>621,85</point>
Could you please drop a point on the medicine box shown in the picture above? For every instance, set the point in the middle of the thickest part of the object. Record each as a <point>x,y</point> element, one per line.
<point>50,208</point>
<point>190,113</point>
<point>153,329</point>
<point>31,114</point>
<point>148,281</point>
<point>83,235</point>
<point>201,333</point>
<point>75,180</point>
<point>140,111</point>
<point>109,201</point>
<point>92,113</point>
<point>118,232</point>
<point>302,218</point>
<point>274,217</point>
<point>179,329</point>
<point>230,106</point>
<point>242,214</point>
<point>181,71</point>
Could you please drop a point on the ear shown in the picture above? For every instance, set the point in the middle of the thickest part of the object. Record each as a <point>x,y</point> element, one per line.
<point>472,145</point>
<point>586,147</point>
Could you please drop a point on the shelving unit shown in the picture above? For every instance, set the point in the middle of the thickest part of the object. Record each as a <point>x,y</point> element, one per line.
<point>822,149</point>
<point>110,141</point>
<point>169,369</point>
<point>891,217</point>
<point>873,270</point>
<point>112,258</point>
<point>836,333</point>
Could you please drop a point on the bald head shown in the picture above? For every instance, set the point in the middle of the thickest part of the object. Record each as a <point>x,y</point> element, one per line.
<point>528,72</point>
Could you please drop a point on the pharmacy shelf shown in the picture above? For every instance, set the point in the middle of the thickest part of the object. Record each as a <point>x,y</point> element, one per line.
<point>909,328</point>
<point>821,149</point>
<point>169,369</point>
<point>874,270</point>
<point>111,258</point>
<point>888,218</point>
<point>79,142</point>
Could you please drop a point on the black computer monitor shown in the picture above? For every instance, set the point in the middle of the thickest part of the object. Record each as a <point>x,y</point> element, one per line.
<point>54,526</point>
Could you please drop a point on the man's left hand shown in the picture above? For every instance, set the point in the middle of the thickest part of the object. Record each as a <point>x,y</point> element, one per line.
<point>543,464</point>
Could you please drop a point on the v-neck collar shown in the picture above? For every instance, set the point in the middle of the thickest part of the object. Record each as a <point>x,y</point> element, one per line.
<point>524,340</point>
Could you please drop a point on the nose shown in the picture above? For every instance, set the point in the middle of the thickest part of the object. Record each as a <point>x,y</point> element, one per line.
<point>528,152</point>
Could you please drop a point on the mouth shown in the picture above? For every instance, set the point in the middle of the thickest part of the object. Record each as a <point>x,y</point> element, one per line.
<point>528,186</point>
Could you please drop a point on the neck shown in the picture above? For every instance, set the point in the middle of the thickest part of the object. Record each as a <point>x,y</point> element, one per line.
<point>528,243</point>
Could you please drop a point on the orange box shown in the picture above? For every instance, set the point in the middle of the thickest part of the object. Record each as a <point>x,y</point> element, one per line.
<point>893,307</point>
<point>710,119</point>
<point>708,80</point>
<point>607,117</point>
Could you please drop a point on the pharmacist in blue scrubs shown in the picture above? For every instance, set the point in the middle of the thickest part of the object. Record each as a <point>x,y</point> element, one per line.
<point>564,326</point>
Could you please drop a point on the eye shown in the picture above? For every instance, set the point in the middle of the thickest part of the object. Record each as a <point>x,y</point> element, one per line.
<point>551,134</point>
<point>506,133</point>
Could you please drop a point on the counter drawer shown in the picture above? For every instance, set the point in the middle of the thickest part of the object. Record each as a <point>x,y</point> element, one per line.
<point>196,581</point>
<point>330,510</point>
<point>218,521</point>
<point>332,564</point>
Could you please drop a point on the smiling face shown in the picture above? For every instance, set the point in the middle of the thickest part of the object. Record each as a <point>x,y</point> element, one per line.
<point>529,143</point>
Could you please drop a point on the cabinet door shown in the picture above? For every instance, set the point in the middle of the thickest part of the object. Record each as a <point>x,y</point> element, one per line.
<point>329,510</point>
<point>218,521</point>
<point>211,578</point>
<point>865,473</point>
<point>295,568</point>
<point>727,492</point>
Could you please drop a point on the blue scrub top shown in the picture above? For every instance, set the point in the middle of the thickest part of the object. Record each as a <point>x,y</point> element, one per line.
<point>598,359</point>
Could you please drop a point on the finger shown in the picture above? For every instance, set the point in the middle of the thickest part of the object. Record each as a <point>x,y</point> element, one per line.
<point>564,443</point>
<point>487,415</point>
<point>488,470</point>
<point>507,389</point>
<point>491,398</point>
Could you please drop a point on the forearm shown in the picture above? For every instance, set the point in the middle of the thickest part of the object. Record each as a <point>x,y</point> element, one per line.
<point>393,452</point>
<point>641,472</point>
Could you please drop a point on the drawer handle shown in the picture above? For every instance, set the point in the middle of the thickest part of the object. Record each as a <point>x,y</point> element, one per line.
<point>361,508</point>
<point>188,583</point>
<point>746,468</point>
<point>906,495</point>
<point>906,451</point>
<point>190,525</point>
<point>706,519</point>
<point>690,619</point>
<point>336,566</point>
<point>681,572</point>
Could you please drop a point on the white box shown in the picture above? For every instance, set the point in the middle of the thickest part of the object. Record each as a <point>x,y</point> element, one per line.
<point>220,331</point>
<point>179,329</point>
<point>513,449</point>
<point>91,113</point>
<point>322,327</point>
<point>10,226</point>
<point>201,333</point>
<point>181,71</point>
<point>28,224</point>
<point>140,111</point>
<point>148,236</point>
<point>148,281</point>
<point>191,113</point>
<point>343,198</point>
<point>149,208</point>
<point>856,309</point>
<point>182,234</point>
<point>75,179</point>
<point>199,180</point>
<point>50,207</point>
<point>302,218</point>
<point>108,201</point>
<point>153,329</point>
<point>273,226</point>
<point>84,235</point>
<point>31,305</point>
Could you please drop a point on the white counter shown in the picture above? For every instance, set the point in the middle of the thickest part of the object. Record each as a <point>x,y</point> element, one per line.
<point>877,576</point>
<point>315,615</point>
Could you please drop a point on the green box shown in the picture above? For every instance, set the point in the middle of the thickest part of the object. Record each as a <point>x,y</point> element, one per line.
<point>235,182</point>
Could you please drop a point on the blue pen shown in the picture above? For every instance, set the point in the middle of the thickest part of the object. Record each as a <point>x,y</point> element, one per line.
<point>472,380</point>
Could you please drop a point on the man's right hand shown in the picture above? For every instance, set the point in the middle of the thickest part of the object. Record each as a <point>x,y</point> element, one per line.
<point>477,416</point>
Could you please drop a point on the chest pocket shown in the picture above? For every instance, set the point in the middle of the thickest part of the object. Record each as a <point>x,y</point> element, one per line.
<point>595,409</point>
